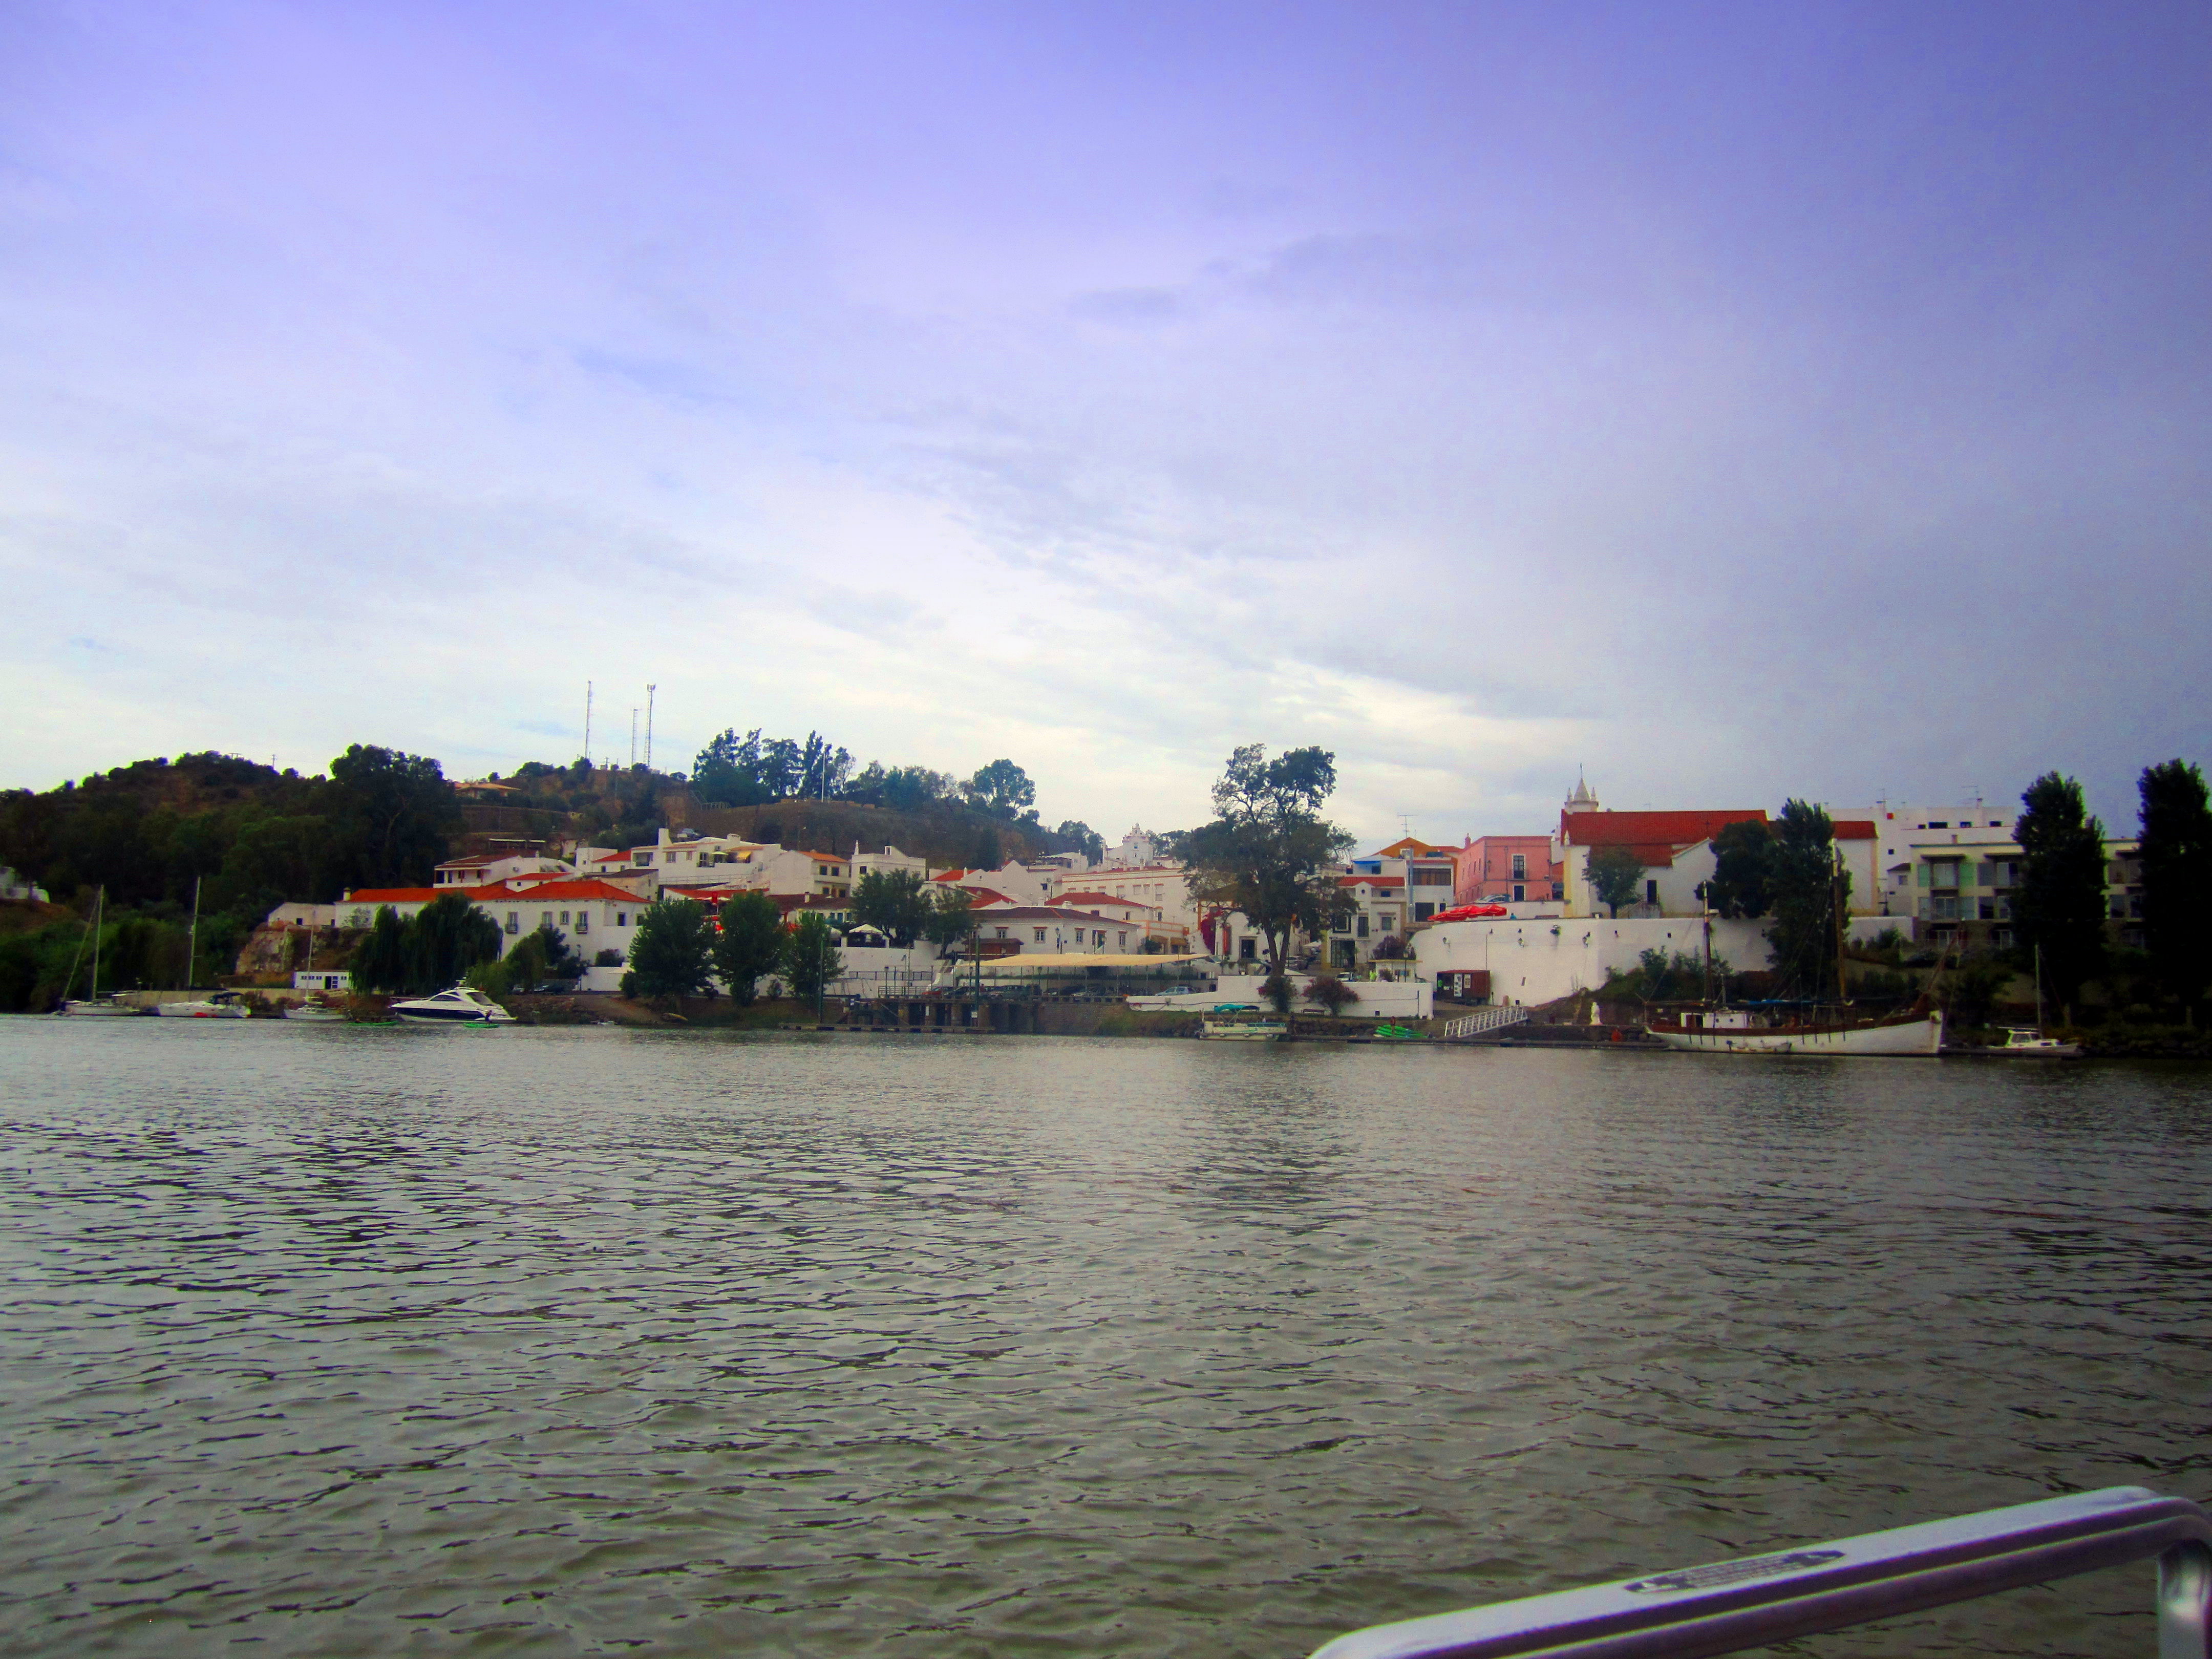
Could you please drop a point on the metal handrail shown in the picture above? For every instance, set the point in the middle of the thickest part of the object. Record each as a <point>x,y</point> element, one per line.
<point>1761,1599</point>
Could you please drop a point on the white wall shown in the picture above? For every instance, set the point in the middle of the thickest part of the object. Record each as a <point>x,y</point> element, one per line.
<point>1536,961</point>
<point>1379,999</point>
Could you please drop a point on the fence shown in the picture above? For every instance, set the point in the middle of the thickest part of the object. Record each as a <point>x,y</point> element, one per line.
<point>1481,1020</point>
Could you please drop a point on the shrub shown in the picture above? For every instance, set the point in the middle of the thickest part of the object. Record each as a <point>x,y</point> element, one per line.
<point>608,957</point>
<point>1276,987</point>
<point>1332,992</point>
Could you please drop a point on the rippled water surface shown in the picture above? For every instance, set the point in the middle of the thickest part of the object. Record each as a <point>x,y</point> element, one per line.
<point>372,1340</point>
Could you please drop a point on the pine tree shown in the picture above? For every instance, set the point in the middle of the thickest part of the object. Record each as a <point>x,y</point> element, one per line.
<point>2177,880</point>
<point>2058,908</point>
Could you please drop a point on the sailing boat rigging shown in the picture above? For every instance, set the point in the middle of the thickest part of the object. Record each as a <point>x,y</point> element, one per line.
<point>94,1004</point>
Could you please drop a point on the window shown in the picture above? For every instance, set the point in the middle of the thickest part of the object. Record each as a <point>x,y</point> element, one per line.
<point>1120,941</point>
<point>1423,912</point>
<point>1248,950</point>
<point>1344,924</point>
<point>1651,892</point>
<point>564,918</point>
<point>1361,928</point>
<point>545,919</point>
<point>583,922</point>
<point>622,918</point>
<point>2002,938</point>
<point>1943,907</point>
<point>515,921</point>
<point>1519,891</point>
<point>1098,938</point>
<point>1039,932</point>
<point>1002,933</point>
<point>1985,909</point>
<point>1520,868</point>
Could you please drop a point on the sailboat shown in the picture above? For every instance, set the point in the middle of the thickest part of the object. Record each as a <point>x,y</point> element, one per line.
<point>1720,1030</point>
<point>224,1004</point>
<point>94,1004</point>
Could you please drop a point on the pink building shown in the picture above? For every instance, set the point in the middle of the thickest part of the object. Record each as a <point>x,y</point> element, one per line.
<point>1496,869</point>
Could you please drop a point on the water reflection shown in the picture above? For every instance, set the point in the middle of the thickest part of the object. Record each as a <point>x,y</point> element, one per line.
<point>346,1340</point>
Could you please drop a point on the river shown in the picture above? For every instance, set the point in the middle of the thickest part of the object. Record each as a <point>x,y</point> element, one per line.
<point>361,1340</point>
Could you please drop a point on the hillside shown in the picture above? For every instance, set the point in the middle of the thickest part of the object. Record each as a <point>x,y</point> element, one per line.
<point>946,835</point>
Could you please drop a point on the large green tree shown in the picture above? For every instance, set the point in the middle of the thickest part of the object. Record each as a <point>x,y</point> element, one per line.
<point>952,916</point>
<point>2058,907</point>
<point>1002,788</point>
<point>893,901</point>
<point>1810,893</point>
<point>673,950</point>
<point>750,947</point>
<point>2177,880</point>
<point>379,961</point>
<point>811,959</point>
<point>402,811</point>
<point>1743,863</point>
<point>1268,852</point>
<point>448,937</point>
<point>1615,875</point>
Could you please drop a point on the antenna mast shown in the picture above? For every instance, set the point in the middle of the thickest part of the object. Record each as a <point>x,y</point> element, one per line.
<point>649,690</point>
<point>587,722</point>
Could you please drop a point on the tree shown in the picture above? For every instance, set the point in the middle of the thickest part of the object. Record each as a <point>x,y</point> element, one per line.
<point>891,900</point>
<point>1332,992</point>
<point>1809,894</point>
<point>728,771</point>
<point>379,962</point>
<point>749,946</point>
<point>448,936</point>
<point>2177,880</point>
<point>1743,865</point>
<point>541,954</point>
<point>671,948</point>
<point>1268,852</point>
<point>403,810</point>
<point>987,855</point>
<point>1001,789</point>
<point>811,960</point>
<point>1615,875</point>
<point>822,769</point>
<point>952,916</point>
<point>2058,907</point>
<point>1086,840</point>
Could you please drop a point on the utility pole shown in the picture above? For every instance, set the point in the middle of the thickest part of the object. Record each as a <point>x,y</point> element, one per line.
<point>649,690</point>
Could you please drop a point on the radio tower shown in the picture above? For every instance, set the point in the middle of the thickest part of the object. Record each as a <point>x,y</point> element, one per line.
<point>587,722</point>
<point>649,690</point>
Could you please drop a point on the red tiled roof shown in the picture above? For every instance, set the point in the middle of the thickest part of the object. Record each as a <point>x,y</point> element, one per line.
<point>983,896</point>
<point>538,892</point>
<point>948,875</point>
<point>1643,830</point>
<point>401,895</point>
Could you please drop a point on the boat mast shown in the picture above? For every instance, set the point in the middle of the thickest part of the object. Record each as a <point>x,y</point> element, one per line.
<point>99,906</point>
<point>192,939</point>
<point>2039,987</point>
<point>1835,892</point>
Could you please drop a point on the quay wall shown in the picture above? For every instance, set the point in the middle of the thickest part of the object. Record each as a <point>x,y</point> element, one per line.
<point>1542,960</point>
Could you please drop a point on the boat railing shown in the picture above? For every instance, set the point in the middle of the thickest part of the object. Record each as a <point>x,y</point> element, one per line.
<point>1759,1600</point>
<point>1481,1020</point>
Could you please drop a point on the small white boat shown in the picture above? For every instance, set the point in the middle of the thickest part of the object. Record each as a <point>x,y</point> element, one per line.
<point>224,1004</point>
<point>314,1012</point>
<point>96,1007</point>
<point>1734,1031</point>
<point>1244,1030</point>
<point>461,1004</point>
<point>2023,1043</point>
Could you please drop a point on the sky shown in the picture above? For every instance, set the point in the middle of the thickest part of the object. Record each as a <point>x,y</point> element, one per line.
<point>1724,402</point>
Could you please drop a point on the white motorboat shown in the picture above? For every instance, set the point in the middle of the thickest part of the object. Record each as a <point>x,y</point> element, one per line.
<point>2021,1042</point>
<point>460,1004</point>
<point>224,1004</point>
<point>1245,1030</point>
<point>1736,1031</point>
<point>87,1007</point>
<point>315,1012</point>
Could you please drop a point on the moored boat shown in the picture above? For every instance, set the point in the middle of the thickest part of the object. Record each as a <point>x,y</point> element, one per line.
<point>459,1004</point>
<point>2021,1042</point>
<point>1244,1030</point>
<point>224,1004</point>
<point>1736,1031</point>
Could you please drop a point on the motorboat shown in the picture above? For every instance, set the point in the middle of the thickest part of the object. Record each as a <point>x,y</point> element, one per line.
<point>459,1004</point>
<point>314,1012</point>
<point>1742,1031</point>
<point>2021,1042</point>
<point>88,1007</point>
<point>1244,1030</point>
<point>224,1004</point>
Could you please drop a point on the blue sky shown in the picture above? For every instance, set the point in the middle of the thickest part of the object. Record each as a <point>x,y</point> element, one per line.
<point>1735,401</point>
